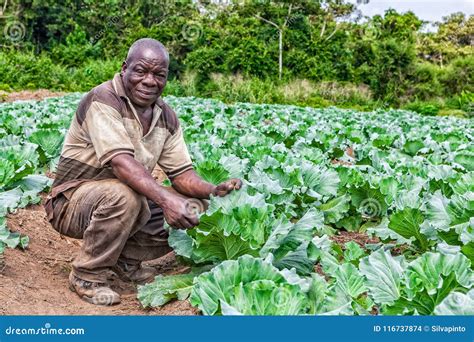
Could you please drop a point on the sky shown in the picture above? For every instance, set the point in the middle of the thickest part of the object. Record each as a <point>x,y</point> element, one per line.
<point>424,9</point>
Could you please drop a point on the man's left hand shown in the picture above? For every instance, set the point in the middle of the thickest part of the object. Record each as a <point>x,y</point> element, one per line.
<point>224,188</point>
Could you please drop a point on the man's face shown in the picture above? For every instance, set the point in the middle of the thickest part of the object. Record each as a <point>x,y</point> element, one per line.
<point>144,77</point>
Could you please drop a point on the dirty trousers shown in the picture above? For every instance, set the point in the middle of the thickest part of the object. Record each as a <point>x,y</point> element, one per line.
<point>115,222</point>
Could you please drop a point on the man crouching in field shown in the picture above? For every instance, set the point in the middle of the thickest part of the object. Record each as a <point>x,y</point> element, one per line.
<point>104,192</point>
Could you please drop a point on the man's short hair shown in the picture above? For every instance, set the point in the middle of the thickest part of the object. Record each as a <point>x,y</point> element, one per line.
<point>146,43</point>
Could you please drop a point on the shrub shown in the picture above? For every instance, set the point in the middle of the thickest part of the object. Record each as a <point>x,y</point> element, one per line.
<point>30,71</point>
<point>92,73</point>
<point>459,76</point>
<point>424,81</point>
<point>424,108</point>
<point>453,112</point>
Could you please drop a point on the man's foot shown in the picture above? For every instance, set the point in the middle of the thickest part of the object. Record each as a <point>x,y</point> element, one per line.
<point>134,273</point>
<point>94,293</point>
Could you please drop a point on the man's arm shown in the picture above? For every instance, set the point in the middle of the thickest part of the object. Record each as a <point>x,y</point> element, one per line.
<point>190,184</point>
<point>132,173</point>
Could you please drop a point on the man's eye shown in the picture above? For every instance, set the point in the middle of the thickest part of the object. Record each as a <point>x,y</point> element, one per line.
<point>160,75</point>
<point>139,71</point>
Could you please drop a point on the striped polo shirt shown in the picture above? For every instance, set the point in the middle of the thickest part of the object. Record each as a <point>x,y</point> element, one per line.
<point>106,124</point>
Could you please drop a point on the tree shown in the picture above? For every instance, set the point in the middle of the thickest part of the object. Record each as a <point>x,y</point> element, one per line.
<point>280,37</point>
<point>453,39</point>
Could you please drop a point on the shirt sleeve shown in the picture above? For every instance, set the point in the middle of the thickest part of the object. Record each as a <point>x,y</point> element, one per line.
<point>107,132</point>
<point>175,159</point>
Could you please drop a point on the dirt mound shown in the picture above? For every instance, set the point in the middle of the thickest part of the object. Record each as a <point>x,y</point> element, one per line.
<point>35,281</point>
<point>361,239</point>
<point>28,95</point>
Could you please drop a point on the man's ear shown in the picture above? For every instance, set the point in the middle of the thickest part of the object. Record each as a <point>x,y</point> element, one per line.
<point>124,68</point>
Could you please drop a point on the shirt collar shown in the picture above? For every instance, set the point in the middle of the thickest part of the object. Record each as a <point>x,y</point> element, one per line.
<point>118,85</point>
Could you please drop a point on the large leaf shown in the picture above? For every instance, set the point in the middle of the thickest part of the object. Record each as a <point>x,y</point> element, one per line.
<point>216,247</point>
<point>384,276</point>
<point>10,200</point>
<point>212,172</point>
<point>181,242</point>
<point>301,231</point>
<point>350,280</point>
<point>335,209</point>
<point>369,201</point>
<point>465,159</point>
<point>407,224</point>
<point>250,286</point>
<point>263,183</point>
<point>49,140</point>
<point>456,303</point>
<point>165,288</point>
<point>265,297</point>
<point>235,199</point>
<point>319,182</point>
<point>429,280</point>
<point>437,211</point>
<point>429,272</point>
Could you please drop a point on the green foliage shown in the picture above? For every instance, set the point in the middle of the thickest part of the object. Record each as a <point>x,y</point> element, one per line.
<point>164,289</point>
<point>406,179</point>
<point>459,76</point>
<point>424,108</point>
<point>247,286</point>
<point>74,46</point>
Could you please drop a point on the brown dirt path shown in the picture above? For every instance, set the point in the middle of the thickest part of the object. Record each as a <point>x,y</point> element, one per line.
<point>28,95</point>
<point>35,281</point>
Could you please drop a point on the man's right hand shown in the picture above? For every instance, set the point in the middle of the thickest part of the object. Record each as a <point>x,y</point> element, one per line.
<point>175,206</point>
<point>177,213</point>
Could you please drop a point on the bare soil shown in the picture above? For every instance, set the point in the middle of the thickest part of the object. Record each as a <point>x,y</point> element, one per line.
<point>360,238</point>
<point>35,281</point>
<point>23,95</point>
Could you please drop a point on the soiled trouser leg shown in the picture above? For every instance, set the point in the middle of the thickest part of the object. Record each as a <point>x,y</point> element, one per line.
<point>149,242</point>
<point>105,214</point>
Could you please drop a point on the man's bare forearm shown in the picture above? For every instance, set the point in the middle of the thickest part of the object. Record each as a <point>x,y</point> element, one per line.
<point>190,184</point>
<point>132,173</point>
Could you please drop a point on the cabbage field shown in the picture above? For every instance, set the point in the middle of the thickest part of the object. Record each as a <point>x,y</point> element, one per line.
<point>403,181</point>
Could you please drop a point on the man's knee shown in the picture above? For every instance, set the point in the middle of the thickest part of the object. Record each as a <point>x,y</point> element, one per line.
<point>121,195</point>
<point>119,200</point>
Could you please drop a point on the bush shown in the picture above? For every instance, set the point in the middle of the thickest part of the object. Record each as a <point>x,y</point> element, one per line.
<point>424,82</point>
<point>324,94</point>
<point>77,50</point>
<point>459,76</point>
<point>30,71</point>
<point>234,88</point>
<point>92,73</point>
<point>464,101</point>
<point>424,108</point>
<point>453,112</point>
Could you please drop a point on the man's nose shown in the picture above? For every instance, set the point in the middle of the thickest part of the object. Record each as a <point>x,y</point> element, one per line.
<point>149,80</point>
